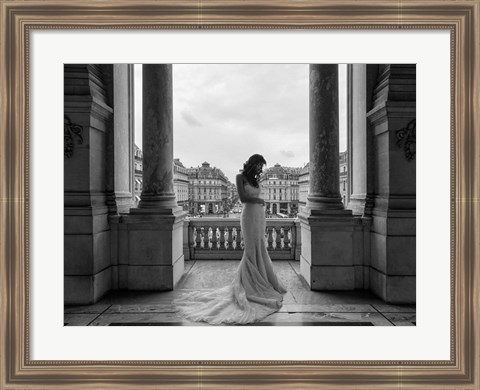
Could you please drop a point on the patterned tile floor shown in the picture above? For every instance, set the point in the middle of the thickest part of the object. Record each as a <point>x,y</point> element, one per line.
<point>301,307</point>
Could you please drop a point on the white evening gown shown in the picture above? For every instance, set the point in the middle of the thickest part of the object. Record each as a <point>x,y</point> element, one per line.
<point>255,291</point>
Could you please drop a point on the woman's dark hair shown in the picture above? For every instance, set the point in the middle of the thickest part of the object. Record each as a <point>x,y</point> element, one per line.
<point>250,168</point>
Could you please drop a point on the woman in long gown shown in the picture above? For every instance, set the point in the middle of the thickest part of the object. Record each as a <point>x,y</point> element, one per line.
<point>255,291</point>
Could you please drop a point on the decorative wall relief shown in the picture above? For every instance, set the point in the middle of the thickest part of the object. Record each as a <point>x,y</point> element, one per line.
<point>407,139</point>
<point>70,131</point>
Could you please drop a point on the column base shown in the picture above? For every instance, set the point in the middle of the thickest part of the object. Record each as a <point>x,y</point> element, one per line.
<point>329,244</point>
<point>306,212</point>
<point>393,289</point>
<point>156,202</point>
<point>164,210</point>
<point>326,278</point>
<point>155,248</point>
<point>325,203</point>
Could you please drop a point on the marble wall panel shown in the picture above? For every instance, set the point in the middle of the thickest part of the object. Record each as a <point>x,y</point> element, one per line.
<point>78,290</point>
<point>401,255</point>
<point>393,289</point>
<point>401,289</point>
<point>150,277</point>
<point>360,277</point>
<point>378,259</point>
<point>98,163</point>
<point>332,248</point>
<point>78,224</point>
<point>101,251</point>
<point>150,247</point>
<point>306,269</point>
<point>123,277</point>
<point>402,226</point>
<point>378,283</point>
<point>177,241</point>
<point>306,250</point>
<point>76,169</point>
<point>333,278</point>
<point>402,173</point>
<point>78,257</point>
<point>178,269</point>
<point>102,283</point>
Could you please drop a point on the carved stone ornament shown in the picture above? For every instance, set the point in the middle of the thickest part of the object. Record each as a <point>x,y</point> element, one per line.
<point>407,139</point>
<point>70,131</point>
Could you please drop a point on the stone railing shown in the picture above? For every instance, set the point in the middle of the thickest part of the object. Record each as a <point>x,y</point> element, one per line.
<point>221,238</point>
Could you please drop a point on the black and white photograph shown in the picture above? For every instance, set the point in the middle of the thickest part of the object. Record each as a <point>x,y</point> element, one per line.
<point>239,194</point>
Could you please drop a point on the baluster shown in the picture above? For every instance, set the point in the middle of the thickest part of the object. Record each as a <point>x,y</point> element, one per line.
<point>209,238</point>
<point>234,238</point>
<point>194,237</point>
<point>238,239</point>
<point>191,241</point>
<point>202,237</point>
<point>228,239</point>
<point>214,238</point>
<point>293,242</point>
<point>222,238</point>
<point>198,238</point>
<point>278,237</point>
<point>242,243</point>
<point>286,240</point>
<point>270,238</point>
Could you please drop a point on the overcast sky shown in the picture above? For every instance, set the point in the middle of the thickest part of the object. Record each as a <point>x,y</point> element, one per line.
<point>224,113</point>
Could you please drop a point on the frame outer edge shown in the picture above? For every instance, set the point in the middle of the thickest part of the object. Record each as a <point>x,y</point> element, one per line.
<point>4,290</point>
<point>475,356</point>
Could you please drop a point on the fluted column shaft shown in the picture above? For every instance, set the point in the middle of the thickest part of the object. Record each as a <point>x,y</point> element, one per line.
<point>158,189</point>
<point>324,192</point>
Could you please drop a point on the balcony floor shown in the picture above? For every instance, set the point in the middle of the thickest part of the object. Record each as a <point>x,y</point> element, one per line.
<point>301,307</point>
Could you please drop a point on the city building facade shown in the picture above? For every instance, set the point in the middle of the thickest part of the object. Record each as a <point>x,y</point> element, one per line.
<point>180,183</point>
<point>208,189</point>
<point>343,162</point>
<point>280,190</point>
<point>303,184</point>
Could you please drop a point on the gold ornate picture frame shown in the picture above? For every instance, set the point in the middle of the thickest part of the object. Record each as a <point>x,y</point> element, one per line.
<point>19,18</point>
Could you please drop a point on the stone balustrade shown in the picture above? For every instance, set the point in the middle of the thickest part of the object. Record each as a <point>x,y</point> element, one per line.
<point>222,238</point>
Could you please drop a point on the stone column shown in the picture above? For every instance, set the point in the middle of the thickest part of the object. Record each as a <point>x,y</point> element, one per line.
<point>158,189</point>
<point>155,228</point>
<point>393,234</point>
<point>361,81</point>
<point>327,229</point>
<point>88,123</point>
<point>324,191</point>
<point>120,178</point>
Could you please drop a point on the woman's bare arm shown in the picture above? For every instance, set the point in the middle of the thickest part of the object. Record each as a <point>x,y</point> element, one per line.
<point>244,198</point>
